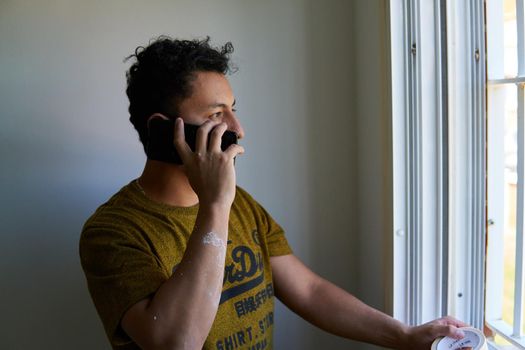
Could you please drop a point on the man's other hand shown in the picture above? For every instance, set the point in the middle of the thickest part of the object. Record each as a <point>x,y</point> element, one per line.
<point>422,337</point>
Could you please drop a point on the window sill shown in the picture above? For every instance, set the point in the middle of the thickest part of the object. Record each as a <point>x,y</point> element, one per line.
<point>505,331</point>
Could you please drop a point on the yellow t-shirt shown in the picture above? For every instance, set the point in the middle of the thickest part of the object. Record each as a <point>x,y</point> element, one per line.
<point>131,245</point>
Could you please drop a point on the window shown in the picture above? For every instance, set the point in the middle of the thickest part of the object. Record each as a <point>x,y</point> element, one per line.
<point>439,134</point>
<point>458,124</point>
<point>505,165</point>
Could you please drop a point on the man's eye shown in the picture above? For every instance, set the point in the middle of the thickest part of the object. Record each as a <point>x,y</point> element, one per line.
<point>216,115</point>
<point>234,109</point>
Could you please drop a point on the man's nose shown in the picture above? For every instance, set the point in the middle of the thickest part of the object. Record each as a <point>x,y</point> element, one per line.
<point>235,126</point>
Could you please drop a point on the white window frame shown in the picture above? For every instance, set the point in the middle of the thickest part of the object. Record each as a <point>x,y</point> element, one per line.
<point>416,104</point>
<point>467,154</point>
<point>439,164</point>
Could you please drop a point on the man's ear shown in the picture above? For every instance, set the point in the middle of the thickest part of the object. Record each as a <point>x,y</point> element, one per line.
<point>156,116</point>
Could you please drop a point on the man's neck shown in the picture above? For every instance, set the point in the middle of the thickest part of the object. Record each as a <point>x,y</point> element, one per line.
<point>167,183</point>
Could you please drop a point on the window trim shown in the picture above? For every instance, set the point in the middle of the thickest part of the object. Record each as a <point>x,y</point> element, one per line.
<point>467,160</point>
<point>417,113</point>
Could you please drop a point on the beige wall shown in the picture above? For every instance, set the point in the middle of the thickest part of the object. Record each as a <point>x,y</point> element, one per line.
<point>313,99</point>
<point>374,150</point>
<point>374,154</point>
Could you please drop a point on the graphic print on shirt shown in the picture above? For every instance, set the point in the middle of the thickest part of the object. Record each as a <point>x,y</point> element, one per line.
<point>251,338</point>
<point>244,280</point>
<point>246,271</point>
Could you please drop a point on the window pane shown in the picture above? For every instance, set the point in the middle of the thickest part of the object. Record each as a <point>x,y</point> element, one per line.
<point>511,177</point>
<point>502,111</point>
<point>502,51</point>
<point>510,38</point>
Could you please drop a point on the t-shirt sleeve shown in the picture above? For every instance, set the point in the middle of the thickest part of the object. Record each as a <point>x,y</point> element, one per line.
<point>275,237</point>
<point>120,270</point>
<point>273,233</point>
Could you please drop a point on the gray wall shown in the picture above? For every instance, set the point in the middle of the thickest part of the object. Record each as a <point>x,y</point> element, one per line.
<point>312,96</point>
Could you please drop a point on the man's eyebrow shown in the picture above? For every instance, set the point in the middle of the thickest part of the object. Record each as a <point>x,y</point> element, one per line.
<point>215,105</point>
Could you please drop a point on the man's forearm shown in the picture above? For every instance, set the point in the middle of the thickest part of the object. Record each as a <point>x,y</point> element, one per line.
<point>181,313</point>
<point>338,312</point>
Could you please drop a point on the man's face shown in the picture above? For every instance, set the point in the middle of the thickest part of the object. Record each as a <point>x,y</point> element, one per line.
<point>212,98</point>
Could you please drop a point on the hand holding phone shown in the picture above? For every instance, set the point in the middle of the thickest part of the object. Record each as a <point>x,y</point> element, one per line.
<point>210,166</point>
<point>160,144</point>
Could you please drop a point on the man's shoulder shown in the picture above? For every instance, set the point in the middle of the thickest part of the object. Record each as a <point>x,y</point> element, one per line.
<point>241,193</point>
<point>246,205</point>
<point>242,197</point>
<point>121,206</point>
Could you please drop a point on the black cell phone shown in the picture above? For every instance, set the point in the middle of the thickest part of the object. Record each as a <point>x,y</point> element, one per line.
<point>160,140</point>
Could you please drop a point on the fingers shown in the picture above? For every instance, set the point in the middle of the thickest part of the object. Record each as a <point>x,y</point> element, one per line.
<point>215,130</point>
<point>450,331</point>
<point>233,151</point>
<point>211,129</point>
<point>456,322</point>
<point>201,144</point>
<point>216,137</point>
<point>449,320</point>
<point>180,142</point>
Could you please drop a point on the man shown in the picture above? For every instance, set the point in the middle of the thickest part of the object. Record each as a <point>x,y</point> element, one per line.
<point>182,258</point>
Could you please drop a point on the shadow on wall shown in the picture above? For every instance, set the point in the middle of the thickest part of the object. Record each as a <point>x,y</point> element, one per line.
<point>333,166</point>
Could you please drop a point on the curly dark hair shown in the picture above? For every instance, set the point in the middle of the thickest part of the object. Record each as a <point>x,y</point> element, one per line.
<point>161,76</point>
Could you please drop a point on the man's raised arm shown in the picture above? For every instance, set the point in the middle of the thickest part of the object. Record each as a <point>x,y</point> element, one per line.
<point>180,314</point>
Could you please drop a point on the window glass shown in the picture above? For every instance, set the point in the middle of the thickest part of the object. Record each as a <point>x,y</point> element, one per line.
<point>510,40</point>
<point>502,41</point>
